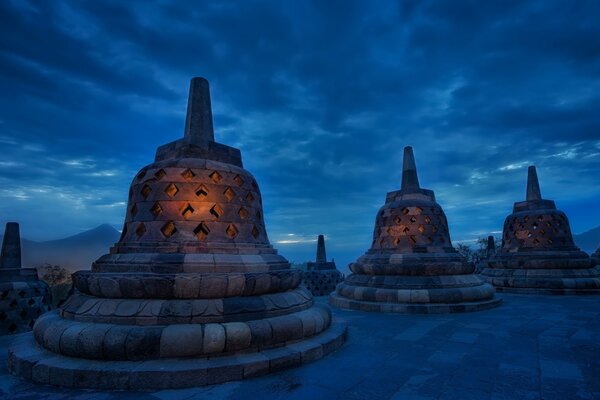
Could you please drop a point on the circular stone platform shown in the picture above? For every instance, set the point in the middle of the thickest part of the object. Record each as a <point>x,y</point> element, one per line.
<point>27,359</point>
<point>538,254</point>
<point>411,266</point>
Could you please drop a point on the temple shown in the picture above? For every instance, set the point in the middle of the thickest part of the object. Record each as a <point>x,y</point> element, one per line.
<point>192,294</point>
<point>23,297</point>
<point>321,277</point>
<point>490,250</point>
<point>538,255</point>
<point>595,257</point>
<point>411,266</point>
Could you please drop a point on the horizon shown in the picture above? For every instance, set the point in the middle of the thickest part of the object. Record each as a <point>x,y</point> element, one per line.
<point>91,90</point>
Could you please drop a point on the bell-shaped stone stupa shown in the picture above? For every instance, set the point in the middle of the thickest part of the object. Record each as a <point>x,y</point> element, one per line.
<point>595,257</point>
<point>321,277</point>
<point>490,250</point>
<point>412,266</point>
<point>538,254</point>
<point>23,297</point>
<point>192,294</point>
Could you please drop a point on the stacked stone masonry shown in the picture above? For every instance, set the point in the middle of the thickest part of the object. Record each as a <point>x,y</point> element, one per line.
<point>193,284</point>
<point>321,277</point>
<point>538,255</point>
<point>23,297</point>
<point>411,266</point>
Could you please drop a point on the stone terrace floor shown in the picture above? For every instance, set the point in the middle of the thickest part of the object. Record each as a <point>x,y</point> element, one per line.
<point>531,347</point>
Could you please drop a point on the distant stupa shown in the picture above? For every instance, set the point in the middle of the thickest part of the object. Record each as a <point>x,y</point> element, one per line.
<point>490,250</point>
<point>321,277</point>
<point>596,257</point>
<point>193,293</point>
<point>411,266</point>
<point>23,297</point>
<point>538,254</point>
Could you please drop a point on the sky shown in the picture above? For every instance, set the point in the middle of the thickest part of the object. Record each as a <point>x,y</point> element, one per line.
<point>320,96</point>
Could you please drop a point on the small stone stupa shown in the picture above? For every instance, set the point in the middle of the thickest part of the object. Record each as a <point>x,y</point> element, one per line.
<point>23,297</point>
<point>321,277</point>
<point>595,257</point>
<point>412,266</point>
<point>538,254</point>
<point>192,294</point>
<point>490,250</point>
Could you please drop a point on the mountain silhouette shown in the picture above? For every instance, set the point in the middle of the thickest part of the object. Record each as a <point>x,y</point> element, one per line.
<point>588,241</point>
<point>74,252</point>
<point>79,251</point>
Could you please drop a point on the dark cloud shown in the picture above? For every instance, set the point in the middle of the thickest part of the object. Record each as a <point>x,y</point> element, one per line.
<point>320,96</point>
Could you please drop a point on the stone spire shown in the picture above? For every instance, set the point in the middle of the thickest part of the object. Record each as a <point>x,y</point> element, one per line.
<point>321,255</point>
<point>533,185</point>
<point>194,243</point>
<point>491,246</point>
<point>198,121</point>
<point>411,266</point>
<point>538,254</point>
<point>11,247</point>
<point>410,180</point>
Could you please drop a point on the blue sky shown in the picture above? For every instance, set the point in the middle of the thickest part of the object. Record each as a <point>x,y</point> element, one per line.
<point>320,96</point>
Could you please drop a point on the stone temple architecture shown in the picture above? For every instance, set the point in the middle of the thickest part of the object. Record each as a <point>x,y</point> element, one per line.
<point>23,297</point>
<point>538,254</point>
<point>490,250</point>
<point>595,257</point>
<point>321,277</point>
<point>192,294</point>
<point>411,266</point>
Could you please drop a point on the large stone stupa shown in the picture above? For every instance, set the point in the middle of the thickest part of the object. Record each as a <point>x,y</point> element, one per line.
<point>192,294</point>
<point>23,297</point>
<point>411,266</point>
<point>538,255</point>
<point>321,276</point>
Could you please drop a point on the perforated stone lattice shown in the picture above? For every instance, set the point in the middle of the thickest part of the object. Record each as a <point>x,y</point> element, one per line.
<point>194,204</point>
<point>536,230</point>
<point>323,282</point>
<point>21,303</point>
<point>410,228</point>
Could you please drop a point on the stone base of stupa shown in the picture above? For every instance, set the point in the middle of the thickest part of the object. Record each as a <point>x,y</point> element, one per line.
<point>29,360</point>
<point>559,273</point>
<point>321,282</point>
<point>23,298</point>
<point>414,294</point>
<point>133,357</point>
<point>595,258</point>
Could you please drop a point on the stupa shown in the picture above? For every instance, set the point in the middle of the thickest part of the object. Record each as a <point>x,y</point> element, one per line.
<point>595,257</point>
<point>321,277</point>
<point>490,250</point>
<point>411,266</point>
<point>192,294</point>
<point>538,254</point>
<point>23,297</point>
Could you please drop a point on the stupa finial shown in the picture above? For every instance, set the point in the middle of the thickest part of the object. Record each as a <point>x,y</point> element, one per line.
<point>491,246</point>
<point>11,247</point>
<point>321,255</point>
<point>198,121</point>
<point>533,185</point>
<point>410,180</point>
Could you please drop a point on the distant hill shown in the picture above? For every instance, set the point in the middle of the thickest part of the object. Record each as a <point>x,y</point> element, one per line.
<point>73,252</point>
<point>588,241</point>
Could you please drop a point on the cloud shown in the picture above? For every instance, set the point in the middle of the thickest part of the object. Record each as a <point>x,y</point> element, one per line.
<point>320,97</point>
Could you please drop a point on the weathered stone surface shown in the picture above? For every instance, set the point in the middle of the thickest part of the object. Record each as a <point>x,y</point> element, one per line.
<point>192,294</point>
<point>411,266</point>
<point>321,277</point>
<point>23,298</point>
<point>538,254</point>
